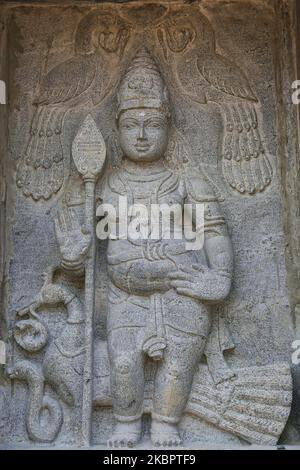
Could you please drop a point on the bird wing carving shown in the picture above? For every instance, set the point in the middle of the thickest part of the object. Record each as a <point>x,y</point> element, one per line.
<point>79,80</point>
<point>41,170</point>
<point>204,75</point>
<point>225,76</point>
<point>245,165</point>
<point>67,81</point>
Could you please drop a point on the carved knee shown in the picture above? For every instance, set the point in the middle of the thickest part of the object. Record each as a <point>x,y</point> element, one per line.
<point>174,371</point>
<point>178,372</point>
<point>122,364</point>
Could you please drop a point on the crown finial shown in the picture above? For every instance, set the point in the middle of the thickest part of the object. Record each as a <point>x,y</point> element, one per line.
<point>142,85</point>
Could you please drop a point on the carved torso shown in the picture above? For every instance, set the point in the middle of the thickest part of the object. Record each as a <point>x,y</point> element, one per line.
<point>158,185</point>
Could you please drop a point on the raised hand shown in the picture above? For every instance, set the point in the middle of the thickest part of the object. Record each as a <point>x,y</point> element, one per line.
<point>73,239</point>
<point>201,282</point>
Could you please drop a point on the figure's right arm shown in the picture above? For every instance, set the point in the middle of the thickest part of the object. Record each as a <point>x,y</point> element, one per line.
<point>74,239</point>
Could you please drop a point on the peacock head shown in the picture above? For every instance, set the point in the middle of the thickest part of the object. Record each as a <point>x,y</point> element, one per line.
<point>112,33</point>
<point>103,31</point>
<point>184,29</point>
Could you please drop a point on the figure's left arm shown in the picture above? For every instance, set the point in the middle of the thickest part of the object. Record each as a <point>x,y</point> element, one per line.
<point>213,282</point>
<point>218,249</point>
<point>217,242</point>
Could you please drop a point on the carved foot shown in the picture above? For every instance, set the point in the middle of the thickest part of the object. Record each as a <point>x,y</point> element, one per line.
<point>165,434</point>
<point>126,434</point>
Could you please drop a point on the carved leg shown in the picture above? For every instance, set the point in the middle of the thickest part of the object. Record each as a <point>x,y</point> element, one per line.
<point>173,384</point>
<point>127,385</point>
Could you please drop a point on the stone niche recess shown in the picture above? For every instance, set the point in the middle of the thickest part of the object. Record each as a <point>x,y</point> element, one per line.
<point>140,341</point>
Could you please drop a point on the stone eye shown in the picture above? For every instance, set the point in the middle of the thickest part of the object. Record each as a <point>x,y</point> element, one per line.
<point>128,125</point>
<point>156,125</point>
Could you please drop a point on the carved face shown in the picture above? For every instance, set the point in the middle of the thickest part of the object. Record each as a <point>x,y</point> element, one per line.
<point>143,134</point>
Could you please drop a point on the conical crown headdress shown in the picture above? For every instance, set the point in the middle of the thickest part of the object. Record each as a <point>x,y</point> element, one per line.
<point>142,85</point>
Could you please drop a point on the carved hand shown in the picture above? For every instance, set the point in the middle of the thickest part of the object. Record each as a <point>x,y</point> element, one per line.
<point>201,282</point>
<point>151,275</point>
<point>155,347</point>
<point>73,239</point>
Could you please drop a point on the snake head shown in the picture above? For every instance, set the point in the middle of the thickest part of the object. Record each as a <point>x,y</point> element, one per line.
<point>47,276</point>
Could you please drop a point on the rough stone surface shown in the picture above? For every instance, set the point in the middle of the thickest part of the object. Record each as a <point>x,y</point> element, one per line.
<point>135,342</point>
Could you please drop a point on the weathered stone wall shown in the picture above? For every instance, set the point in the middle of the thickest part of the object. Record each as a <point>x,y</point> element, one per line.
<point>244,78</point>
<point>287,70</point>
<point>4,384</point>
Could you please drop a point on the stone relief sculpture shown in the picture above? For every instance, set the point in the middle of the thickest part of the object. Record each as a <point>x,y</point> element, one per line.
<point>165,340</point>
<point>246,167</point>
<point>188,42</point>
<point>2,223</point>
<point>145,317</point>
<point>100,40</point>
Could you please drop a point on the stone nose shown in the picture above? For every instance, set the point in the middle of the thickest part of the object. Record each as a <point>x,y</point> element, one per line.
<point>142,133</point>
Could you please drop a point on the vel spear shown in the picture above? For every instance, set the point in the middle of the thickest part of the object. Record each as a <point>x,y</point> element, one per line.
<point>89,151</point>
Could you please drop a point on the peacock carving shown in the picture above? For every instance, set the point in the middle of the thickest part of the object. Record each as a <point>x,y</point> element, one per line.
<point>85,78</point>
<point>204,75</point>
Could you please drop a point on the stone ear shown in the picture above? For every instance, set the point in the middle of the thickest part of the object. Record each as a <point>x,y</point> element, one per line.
<point>165,94</point>
<point>118,110</point>
<point>114,151</point>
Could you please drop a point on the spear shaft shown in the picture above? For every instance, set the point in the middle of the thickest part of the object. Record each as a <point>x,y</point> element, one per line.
<point>89,152</point>
<point>87,391</point>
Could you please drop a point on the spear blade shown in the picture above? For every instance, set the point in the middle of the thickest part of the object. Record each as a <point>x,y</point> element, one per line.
<point>89,150</point>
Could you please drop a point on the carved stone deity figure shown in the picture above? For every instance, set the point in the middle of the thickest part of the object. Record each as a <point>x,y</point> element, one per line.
<point>135,336</point>
<point>160,294</point>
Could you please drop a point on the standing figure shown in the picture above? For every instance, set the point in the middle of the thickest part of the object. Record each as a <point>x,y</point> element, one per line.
<point>159,309</point>
<point>160,294</point>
